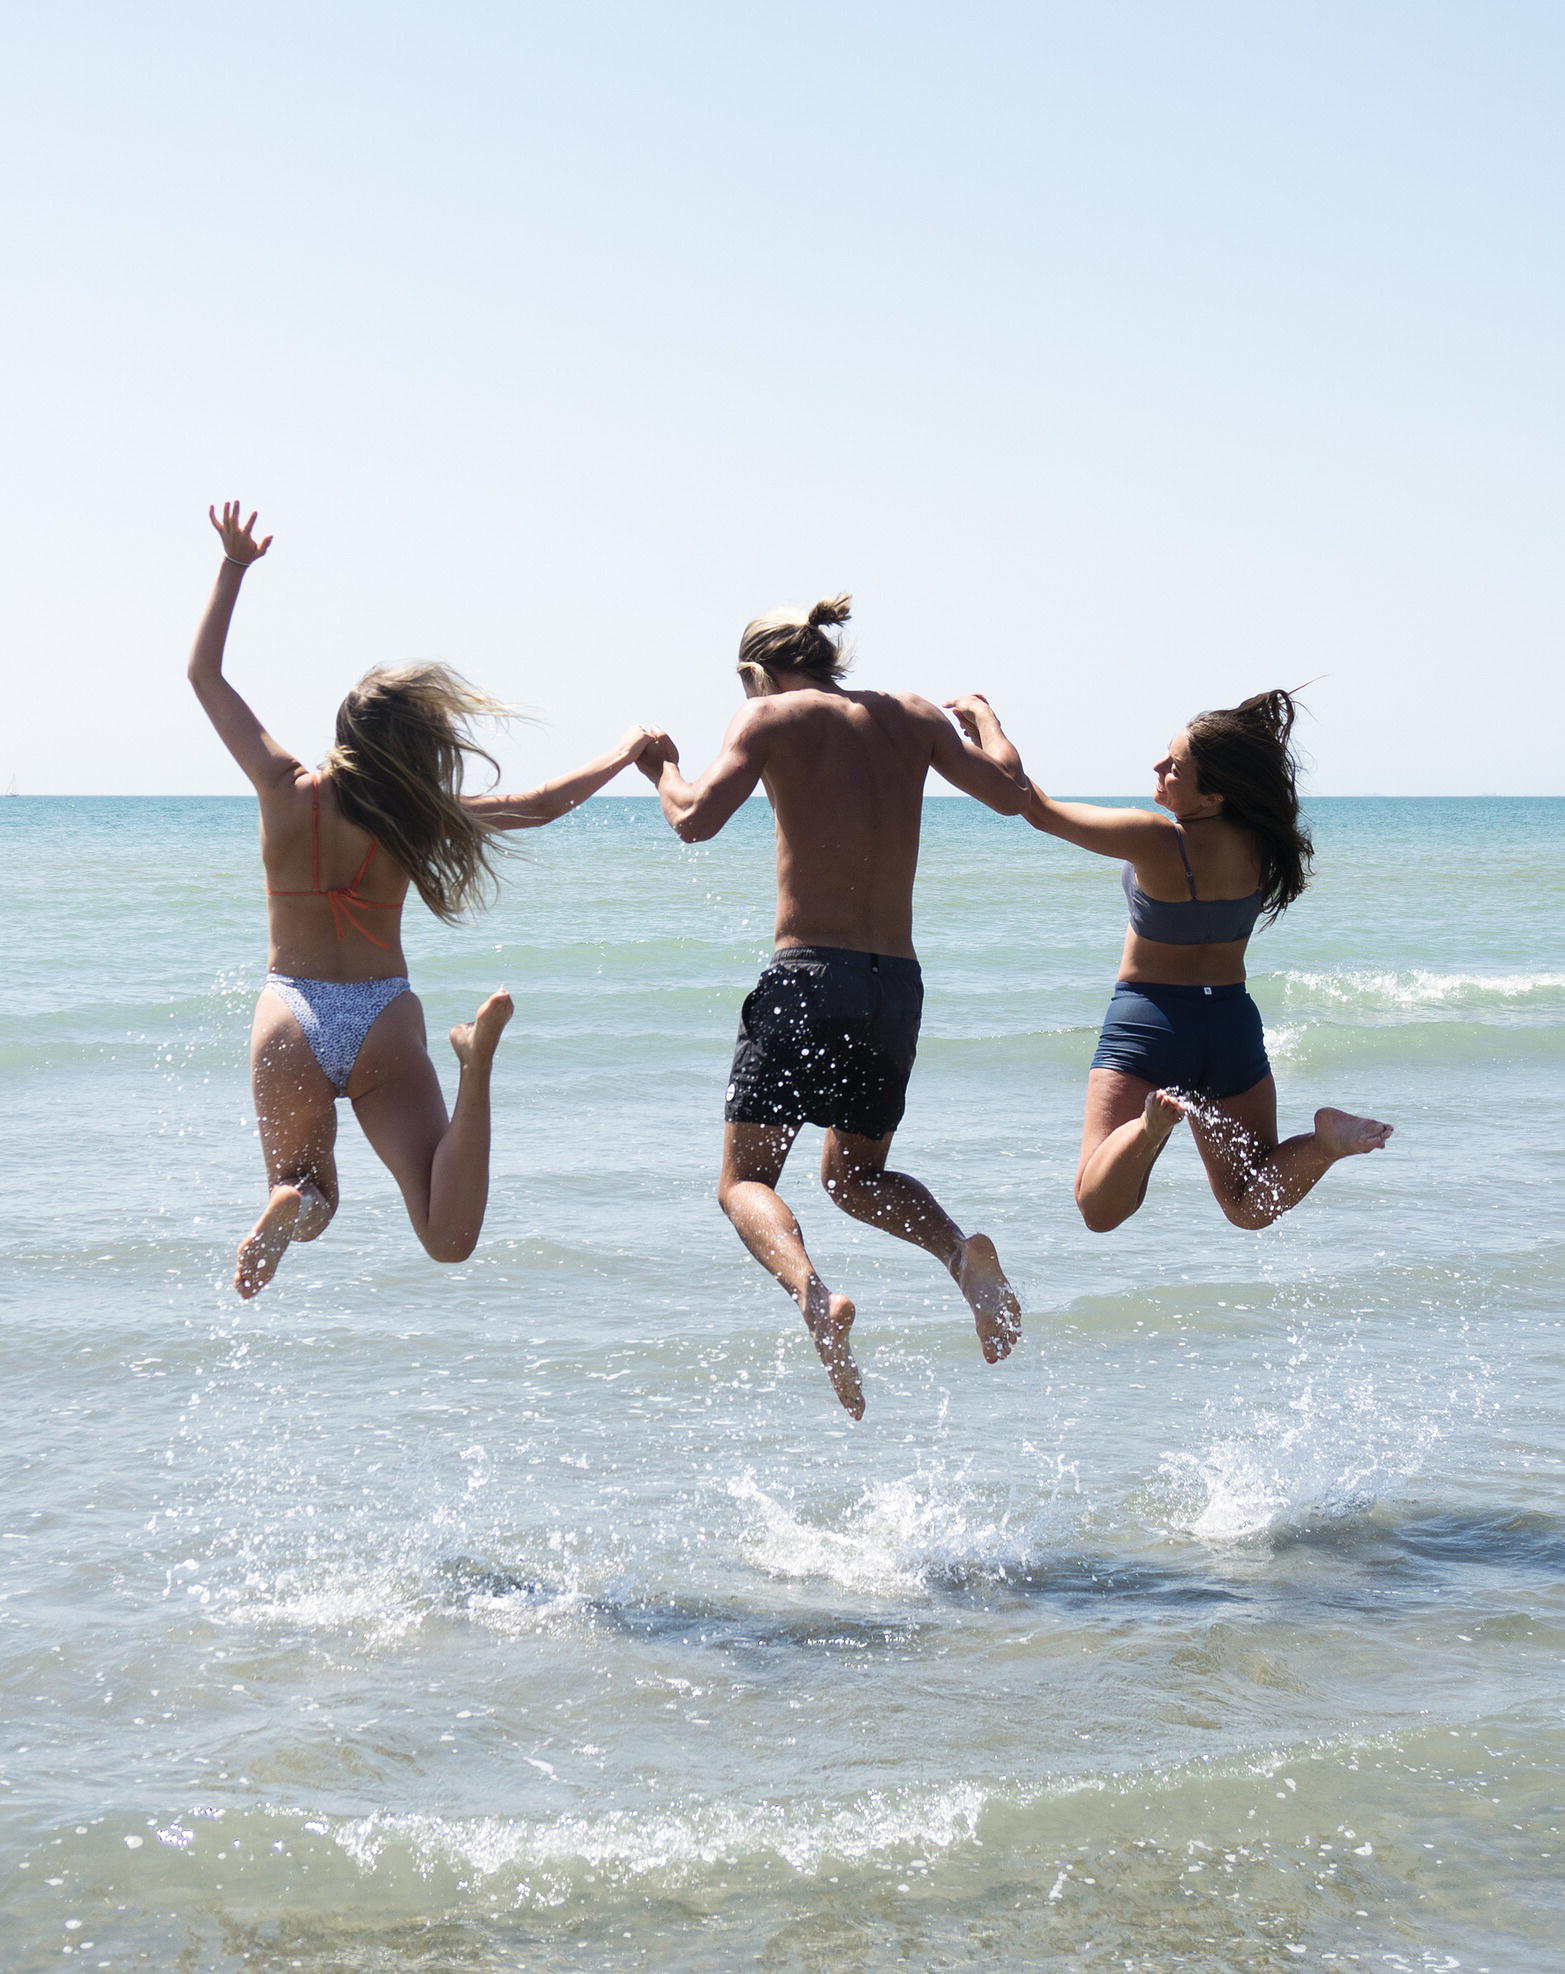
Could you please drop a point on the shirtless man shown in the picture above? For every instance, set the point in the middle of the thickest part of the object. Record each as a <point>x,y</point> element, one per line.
<point>828,1036</point>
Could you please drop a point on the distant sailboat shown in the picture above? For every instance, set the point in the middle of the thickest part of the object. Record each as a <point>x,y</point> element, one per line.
<point>10,787</point>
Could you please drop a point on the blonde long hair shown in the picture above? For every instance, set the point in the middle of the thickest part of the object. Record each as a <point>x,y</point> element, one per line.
<point>397,767</point>
<point>797,641</point>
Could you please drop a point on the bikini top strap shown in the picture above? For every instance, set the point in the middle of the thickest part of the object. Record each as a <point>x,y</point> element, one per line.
<point>358,877</point>
<point>315,846</point>
<point>1184,858</point>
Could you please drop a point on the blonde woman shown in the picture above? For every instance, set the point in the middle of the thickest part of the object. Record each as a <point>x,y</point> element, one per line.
<point>341,845</point>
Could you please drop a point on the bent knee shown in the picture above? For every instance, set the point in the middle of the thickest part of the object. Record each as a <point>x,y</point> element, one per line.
<point>320,1221</point>
<point>839,1186</point>
<point>451,1249</point>
<point>1252,1218</point>
<point>1099,1219</point>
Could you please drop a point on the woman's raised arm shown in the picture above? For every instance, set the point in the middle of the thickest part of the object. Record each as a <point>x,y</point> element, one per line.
<point>263,760</point>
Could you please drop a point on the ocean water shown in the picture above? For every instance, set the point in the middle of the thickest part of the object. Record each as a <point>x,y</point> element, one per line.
<point>547,1612</point>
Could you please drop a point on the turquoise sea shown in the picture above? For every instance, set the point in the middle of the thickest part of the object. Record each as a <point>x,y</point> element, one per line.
<point>547,1613</point>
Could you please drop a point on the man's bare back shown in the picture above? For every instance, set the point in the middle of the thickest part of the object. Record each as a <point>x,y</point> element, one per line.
<point>845,773</point>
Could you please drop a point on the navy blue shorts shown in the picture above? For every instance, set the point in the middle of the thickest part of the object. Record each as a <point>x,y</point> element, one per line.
<point>1204,1041</point>
<point>827,1037</point>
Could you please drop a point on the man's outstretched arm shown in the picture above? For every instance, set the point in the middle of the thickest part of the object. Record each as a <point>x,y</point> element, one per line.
<point>1109,832</point>
<point>991,771</point>
<point>697,810</point>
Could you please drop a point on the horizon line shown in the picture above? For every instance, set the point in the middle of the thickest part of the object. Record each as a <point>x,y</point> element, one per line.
<point>930,795</point>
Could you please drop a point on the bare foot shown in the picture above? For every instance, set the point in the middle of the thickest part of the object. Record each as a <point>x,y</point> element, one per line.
<point>996,1312</point>
<point>1343,1134</point>
<point>263,1247</point>
<point>475,1041</point>
<point>1163,1111</point>
<point>829,1318</point>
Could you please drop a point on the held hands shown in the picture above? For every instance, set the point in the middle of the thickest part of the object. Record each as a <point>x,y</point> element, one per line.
<point>965,711</point>
<point>656,749</point>
<point>239,543</point>
<point>634,742</point>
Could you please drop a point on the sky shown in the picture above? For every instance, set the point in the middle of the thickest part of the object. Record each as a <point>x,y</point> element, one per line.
<point>1121,357</point>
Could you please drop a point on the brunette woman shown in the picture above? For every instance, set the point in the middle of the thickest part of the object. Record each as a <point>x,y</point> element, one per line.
<point>1182,1037</point>
<point>341,845</point>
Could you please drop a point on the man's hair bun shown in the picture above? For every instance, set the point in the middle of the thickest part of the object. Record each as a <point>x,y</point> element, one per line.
<point>798,642</point>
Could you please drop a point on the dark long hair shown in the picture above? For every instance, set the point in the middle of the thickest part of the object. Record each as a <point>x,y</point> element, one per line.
<point>1243,754</point>
<point>397,767</point>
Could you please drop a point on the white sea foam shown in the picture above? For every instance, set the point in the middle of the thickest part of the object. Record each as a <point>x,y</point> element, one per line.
<point>380,1605</point>
<point>1283,1039</point>
<point>547,1862</point>
<point>1414,991</point>
<point>543,1860</point>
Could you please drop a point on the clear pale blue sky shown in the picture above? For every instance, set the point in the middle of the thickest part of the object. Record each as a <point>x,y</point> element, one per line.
<point>1120,358</point>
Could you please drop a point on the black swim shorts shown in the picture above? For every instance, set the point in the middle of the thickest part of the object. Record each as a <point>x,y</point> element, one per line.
<point>827,1037</point>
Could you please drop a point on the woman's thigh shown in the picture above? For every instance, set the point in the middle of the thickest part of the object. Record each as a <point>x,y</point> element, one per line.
<point>397,1098</point>
<point>1236,1135</point>
<point>295,1104</point>
<point>1114,1097</point>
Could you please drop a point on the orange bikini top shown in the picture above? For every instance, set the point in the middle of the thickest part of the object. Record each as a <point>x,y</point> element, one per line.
<point>344,899</point>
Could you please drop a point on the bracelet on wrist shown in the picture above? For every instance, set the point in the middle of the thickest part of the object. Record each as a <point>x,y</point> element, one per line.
<point>235,560</point>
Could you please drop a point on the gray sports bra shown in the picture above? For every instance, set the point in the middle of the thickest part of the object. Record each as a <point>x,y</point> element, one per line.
<point>1191,921</point>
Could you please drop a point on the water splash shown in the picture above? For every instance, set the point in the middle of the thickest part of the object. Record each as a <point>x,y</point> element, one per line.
<point>1325,1450</point>
<point>901,1536</point>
